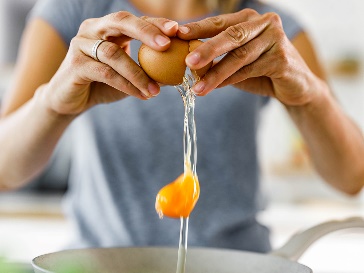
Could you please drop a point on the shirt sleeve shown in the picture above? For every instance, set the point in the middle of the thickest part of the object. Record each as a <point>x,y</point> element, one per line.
<point>65,16</point>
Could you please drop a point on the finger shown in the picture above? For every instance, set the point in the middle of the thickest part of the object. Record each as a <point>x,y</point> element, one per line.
<point>103,93</point>
<point>233,37</point>
<point>232,62</point>
<point>260,86</point>
<point>115,57</point>
<point>99,72</point>
<point>212,26</point>
<point>87,70</point>
<point>123,23</point>
<point>168,27</point>
<point>259,68</point>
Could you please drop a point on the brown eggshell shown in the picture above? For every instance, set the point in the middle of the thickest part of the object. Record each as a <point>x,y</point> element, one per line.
<point>166,67</point>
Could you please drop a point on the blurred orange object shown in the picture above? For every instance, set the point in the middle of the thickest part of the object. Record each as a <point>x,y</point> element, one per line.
<point>177,199</point>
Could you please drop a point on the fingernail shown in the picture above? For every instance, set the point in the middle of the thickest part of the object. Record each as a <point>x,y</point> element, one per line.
<point>161,40</point>
<point>145,96</point>
<point>199,87</point>
<point>193,58</point>
<point>170,24</point>
<point>153,89</point>
<point>184,29</point>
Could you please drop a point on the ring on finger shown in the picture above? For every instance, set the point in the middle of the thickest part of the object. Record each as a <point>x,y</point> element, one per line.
<point>94,49</point>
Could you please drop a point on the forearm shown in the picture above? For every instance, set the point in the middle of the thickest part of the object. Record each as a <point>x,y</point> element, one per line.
<point>336,145</point>
<point>27,140</point>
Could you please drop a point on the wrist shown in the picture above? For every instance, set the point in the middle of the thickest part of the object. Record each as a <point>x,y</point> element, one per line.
<point>44,102</point>
<point>317,97</point>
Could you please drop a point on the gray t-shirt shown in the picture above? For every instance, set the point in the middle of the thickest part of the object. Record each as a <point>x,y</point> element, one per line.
<point>124,152</point>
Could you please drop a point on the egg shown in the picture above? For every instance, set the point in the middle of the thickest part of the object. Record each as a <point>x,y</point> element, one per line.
<point>168,67</point>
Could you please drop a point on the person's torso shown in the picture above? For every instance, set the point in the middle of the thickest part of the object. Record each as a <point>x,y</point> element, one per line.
<point>126,151</point>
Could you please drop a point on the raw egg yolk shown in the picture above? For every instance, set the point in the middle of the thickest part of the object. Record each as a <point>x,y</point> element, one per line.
<point>178,198</point>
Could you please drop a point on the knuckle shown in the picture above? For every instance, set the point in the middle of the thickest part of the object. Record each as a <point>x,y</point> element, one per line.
<point>75,63</point>
<point>249,12</point>
<point>110,51</point>
<point>236,34</point>
<point>276,27</point>
<point>106,72</point>
<point>274,18</point>
<point>86,24</point>
<point>212,48</point>
<point>137,74</point>
<point>217,22</point>
<point>144,17</point>
<point>239,53</point>
<point>120,16</point>
<point>127,86</point>
<point>198,26</point>
<point>215,74</point>
<point>146,28</point>
<point>74,43</point>
<point>246,70</point>
<point>283,59</point>
<point>76,59</point>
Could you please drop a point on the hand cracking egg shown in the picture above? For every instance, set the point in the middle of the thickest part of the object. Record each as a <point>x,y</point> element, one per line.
<point>168,67</point>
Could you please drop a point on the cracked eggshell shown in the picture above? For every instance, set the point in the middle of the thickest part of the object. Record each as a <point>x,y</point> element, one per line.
<point>168,67</point>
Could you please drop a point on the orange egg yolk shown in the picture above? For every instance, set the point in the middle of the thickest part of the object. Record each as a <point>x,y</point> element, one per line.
<point>178,198</point>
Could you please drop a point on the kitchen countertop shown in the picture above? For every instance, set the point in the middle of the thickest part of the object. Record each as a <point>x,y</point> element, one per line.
<point>31,225</point>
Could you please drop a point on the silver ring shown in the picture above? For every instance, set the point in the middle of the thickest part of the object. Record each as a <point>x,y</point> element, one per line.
<point>94,49</point>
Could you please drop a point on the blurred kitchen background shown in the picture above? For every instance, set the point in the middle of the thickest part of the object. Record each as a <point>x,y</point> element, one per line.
<point>32,222</point>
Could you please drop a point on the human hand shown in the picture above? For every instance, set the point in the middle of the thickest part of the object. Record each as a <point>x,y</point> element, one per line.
<point>82,81</point>
<point>259,57</point>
